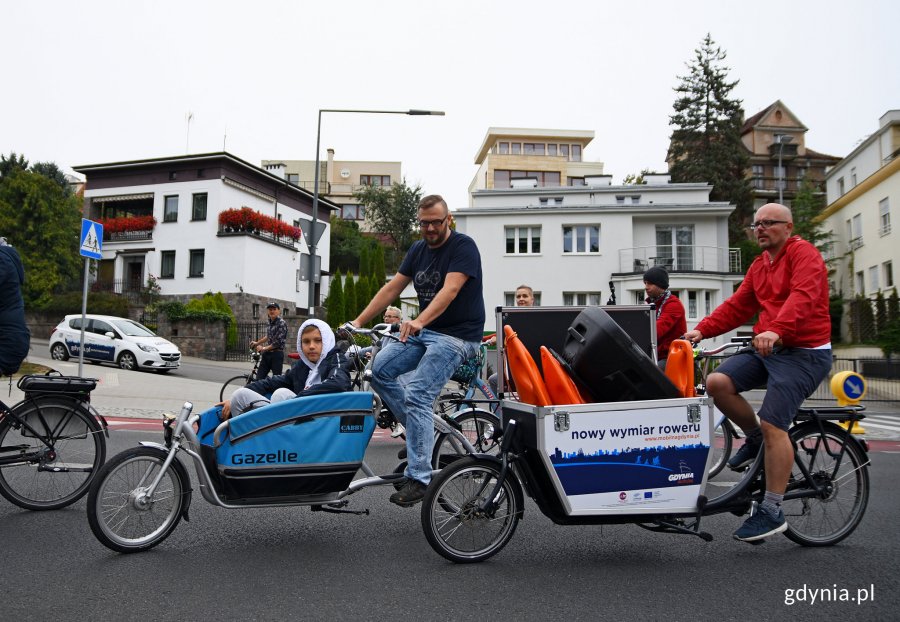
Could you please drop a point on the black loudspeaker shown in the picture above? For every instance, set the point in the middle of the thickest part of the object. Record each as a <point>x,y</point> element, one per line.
<point>608,365</point>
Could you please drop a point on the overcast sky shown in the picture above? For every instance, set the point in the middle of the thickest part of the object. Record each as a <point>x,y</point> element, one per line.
<point>89,81</point>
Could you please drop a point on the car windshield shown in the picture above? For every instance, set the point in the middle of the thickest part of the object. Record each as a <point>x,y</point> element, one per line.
<point>133,329</point>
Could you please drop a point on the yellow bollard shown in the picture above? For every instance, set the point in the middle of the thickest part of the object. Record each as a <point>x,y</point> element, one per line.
<point>849,388</point>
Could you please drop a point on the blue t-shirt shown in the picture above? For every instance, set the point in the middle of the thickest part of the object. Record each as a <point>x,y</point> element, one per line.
<point>428,267</point>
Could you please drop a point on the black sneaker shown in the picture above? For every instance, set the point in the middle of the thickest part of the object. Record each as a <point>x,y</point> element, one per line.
<point>744,456</point>
<point>401,455</point>
<point>761,525</point>
<point>411,493</point>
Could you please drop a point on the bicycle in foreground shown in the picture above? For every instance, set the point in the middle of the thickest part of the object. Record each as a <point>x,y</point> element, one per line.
<point>654,480</point>
<point>51,443</point>
<point>306,451</point>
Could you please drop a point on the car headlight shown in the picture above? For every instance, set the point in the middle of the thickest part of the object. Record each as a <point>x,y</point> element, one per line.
<point>147,348</point>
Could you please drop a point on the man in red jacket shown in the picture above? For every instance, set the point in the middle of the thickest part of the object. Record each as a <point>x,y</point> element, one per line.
<point>788,286</point>
<point>670,322</point>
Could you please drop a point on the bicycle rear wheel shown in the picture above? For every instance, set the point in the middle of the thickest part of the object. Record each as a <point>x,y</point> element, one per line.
<point>827,519</point>
<point>233,384</point>
<point>477,426</point>
<point>58,446</point>
<point>453,525</point>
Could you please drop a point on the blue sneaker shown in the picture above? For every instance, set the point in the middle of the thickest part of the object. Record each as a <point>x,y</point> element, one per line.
<point>744,456</point>
<point>761,525</point>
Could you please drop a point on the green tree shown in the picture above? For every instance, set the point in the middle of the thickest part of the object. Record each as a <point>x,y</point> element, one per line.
<point>350,297</point>
<point>365,262</point>
<point>804,209</point>
<point>43,222</point>
<point>12,163</point>
<point>334,302</point>
<point>893,306</point>
<point>347,242</point>
<point>52,172</point>
<point>881,316</point>
<point>705,145</point>
<point>636,179</point>
<point>393,211</point>
<point>378,269</point>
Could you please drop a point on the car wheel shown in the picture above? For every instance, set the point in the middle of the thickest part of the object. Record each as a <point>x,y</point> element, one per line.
<point>127,361</point>
<point>59,352</point>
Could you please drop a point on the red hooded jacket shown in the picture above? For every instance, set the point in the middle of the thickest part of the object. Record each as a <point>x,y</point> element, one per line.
<point>790,293</point>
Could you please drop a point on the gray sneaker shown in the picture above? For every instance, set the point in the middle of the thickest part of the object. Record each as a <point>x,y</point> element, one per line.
<point>761,525</point>
<point>397,430</point>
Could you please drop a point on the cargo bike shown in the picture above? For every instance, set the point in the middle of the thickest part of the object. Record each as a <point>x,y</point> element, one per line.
<point>301,452</point>
<point>622,443</point>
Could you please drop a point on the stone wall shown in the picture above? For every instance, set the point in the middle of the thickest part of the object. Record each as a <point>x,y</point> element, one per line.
<point>197,338</point>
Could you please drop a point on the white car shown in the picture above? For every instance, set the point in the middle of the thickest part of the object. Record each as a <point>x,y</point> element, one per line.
<point>111,339</point>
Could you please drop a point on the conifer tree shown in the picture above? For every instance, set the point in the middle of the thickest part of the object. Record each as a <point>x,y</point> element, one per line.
<point>804,209</point>
<point>378,269</point>
<point>365,263</point>
<point>705,145</point>
<point>334,303</point>
<point>350,298</point>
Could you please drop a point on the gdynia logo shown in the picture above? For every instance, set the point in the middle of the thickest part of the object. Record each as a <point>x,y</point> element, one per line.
<point>682,478</point>
<point>280,456</point>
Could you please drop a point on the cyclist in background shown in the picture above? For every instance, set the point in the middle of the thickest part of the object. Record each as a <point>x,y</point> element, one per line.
<point>271,347</point>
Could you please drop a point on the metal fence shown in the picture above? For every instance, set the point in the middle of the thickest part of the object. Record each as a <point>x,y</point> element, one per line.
<point>246,332</point>
<point>882,377</point>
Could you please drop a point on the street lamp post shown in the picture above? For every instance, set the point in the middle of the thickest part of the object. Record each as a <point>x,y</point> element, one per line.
<point>315,206</point>
<point>782,140</point>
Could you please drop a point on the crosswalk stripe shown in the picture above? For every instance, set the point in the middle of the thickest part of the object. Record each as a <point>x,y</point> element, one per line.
<point>875,423</point>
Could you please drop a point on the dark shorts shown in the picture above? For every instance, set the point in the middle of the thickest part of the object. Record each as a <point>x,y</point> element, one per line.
<point>790,375</point>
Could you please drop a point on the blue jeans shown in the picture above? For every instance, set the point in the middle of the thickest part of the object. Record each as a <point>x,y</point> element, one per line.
<point>431,358</point>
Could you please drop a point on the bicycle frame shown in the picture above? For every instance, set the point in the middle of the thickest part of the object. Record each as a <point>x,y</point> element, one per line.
<point>180,437</point>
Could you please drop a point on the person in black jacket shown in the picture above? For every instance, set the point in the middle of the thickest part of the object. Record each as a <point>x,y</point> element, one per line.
<point>14,334</point>
<point>313,374</point>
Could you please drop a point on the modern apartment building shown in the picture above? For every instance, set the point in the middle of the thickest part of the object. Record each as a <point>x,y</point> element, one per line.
<point>550,158</point>
<point>182,220</point>
<point>338,180</point>
<point>569,242</point>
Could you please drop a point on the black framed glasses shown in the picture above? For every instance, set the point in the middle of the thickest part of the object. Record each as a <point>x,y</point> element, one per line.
<point>432,223</point>
<point>765,224</point>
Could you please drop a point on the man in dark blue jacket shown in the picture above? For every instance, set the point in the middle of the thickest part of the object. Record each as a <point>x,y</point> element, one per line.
<point>14,334</point>
<point>315,373</point>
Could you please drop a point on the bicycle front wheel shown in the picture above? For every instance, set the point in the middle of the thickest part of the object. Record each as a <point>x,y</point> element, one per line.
<point>721,447</point>
<point>52,448</point>
<point>453,524</point>
<point>830,517</point>
<point>233,384</point>
<point>122,513</point>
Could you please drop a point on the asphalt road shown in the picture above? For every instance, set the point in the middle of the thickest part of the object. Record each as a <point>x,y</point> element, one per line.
<point>277,564</point>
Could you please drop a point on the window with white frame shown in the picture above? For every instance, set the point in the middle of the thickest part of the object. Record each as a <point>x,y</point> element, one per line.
<point>707,300</point>
<point>523,240</point>
<point>195,266</point>
<point>884,217</point>
<point>675,247</point>
<point>874,283</point>
<point>170,209</point>
<point>691,307</point>
<point>581,299</point>
<point>856,239</point>
<point>582,239</point>
<point>887,268</point>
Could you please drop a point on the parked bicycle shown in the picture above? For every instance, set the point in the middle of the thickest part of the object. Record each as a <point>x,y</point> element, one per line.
<point>52,443</point>
<point>233,384</point>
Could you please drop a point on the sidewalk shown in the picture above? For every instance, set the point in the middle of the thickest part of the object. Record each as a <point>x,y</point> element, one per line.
<point>141,394</point>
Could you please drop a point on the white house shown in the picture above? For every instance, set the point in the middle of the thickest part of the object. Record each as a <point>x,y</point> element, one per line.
<point>862,189</point>
<point>188,250</point>
<point>569,242</point>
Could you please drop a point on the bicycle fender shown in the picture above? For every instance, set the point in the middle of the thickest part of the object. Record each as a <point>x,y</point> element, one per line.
<point>179,470</point>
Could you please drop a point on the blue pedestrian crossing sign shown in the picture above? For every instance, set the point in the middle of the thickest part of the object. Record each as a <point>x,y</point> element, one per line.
<point>91,239</point>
